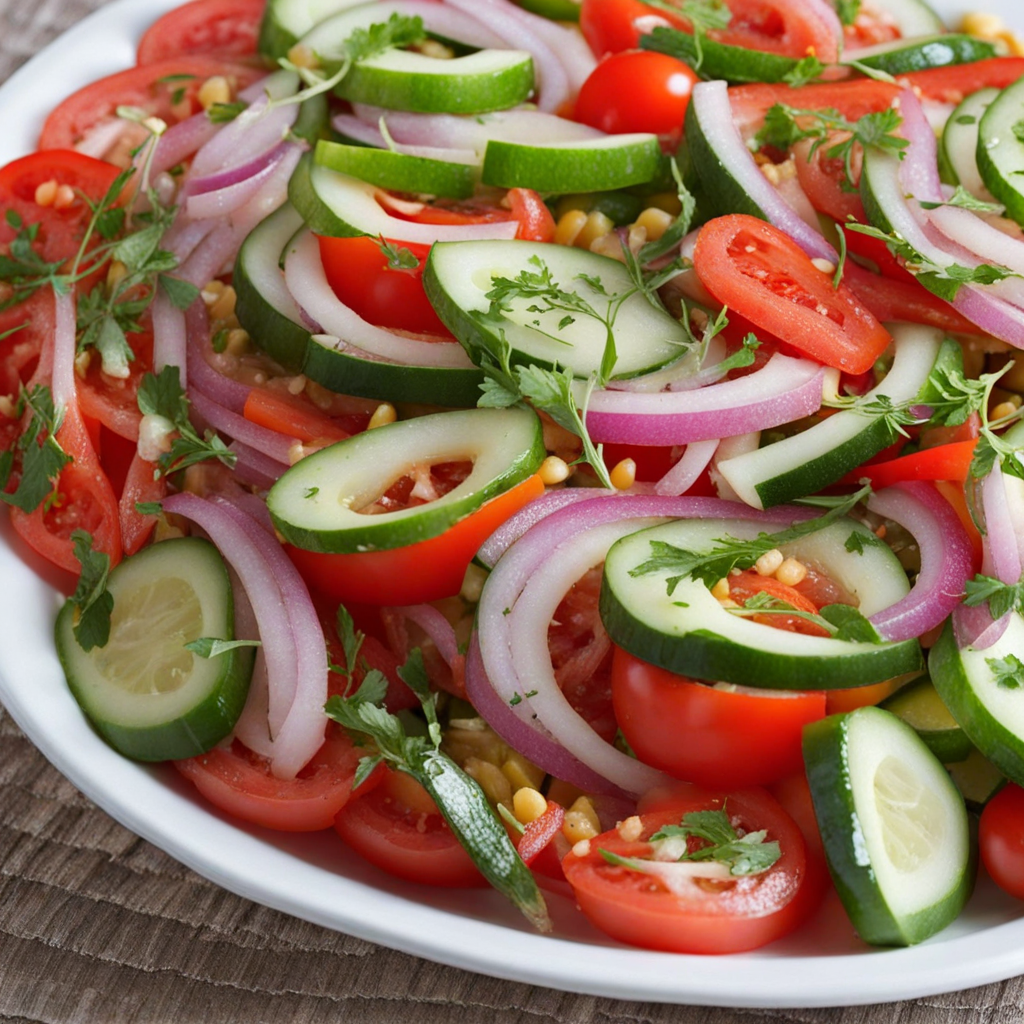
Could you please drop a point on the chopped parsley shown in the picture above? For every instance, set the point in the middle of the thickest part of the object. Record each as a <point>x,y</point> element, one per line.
<point>93,603</point>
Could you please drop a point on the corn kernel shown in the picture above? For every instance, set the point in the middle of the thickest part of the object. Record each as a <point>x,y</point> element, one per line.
<point>521,772</point>
<point>528,805</point>
<point>214,90</point>
<point>564,793</point>
<point>224,305</point>
<point>383,415</point>
<point>303,56</point>
<point>582,848</point>
<point>1007,408</point>
<point>1013,42</point>
<point>82,361</point>
<point>768,564</point>
<point>7,407</point>
<point>211,292</point>
<point>597,224</point>
<point>237,341</point>
<point>655,222</point>
<point>791,572</point>
<point>979,23</point>
<point>623,476</point>
<point>116,273</point>
<point>46,193</point>
<point>155,125</point>
<point>720,591</point>
<point>824,265</point>
<point>168,528</point>
<point>569,226</point>
<point>496,787</point>
<point>631,829</point>
<point>609,245</point>
<point>581,821</point>
<point>667,201</point>
<point>553,470</point>
<point>432,48</point>
<point>64,197</point>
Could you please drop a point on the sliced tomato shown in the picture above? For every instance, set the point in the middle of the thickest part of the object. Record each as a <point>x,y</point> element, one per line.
<point>636,91</point>
<point>114,402</point>
<point>952,84</point>
<point>871,25</point>
<point>794,794</point>
<point>216,28</point>
<point>425,571</point>
<point>727,738</point>
<point>298,418</point>
<point>358,272</point>
<point>787,27</point>
<point>945,462</point>
<point>152,88</point>
<point>240,783</point>
<point>760,272</point>
<point>141,486</point>
<point>398,828</point>
<point>704,916</point>
<point>536,223</point>
<point>539,833</point>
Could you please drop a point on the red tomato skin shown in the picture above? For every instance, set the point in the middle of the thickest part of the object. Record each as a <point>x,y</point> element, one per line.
<point>706,736</point>
<point>414,844</point>
<point>222,28</point>
<point>240,783</point>
<point>359,274</point>
<point>636,91</point>
<point>140,486</point>
<point>634,908</point>
<point>536,224</point>
<point>426,571</point>
<point>761,273</point>
<point>145,87</point>
<point>1001,839</point>
<point>952,84</point>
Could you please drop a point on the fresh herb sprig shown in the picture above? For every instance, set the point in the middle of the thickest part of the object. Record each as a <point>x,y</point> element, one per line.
<point>839,621</point>
<point>459,798</point>
<point>1008,671</point>
<point>37,451</point>
<point>728,553</point>
<point>94,604</point>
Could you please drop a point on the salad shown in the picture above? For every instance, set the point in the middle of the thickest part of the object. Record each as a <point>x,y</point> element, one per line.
<point>610,480</point>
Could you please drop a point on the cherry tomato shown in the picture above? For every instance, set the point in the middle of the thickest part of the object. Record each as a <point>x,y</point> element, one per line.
<point>152,88</point>
<point>398,828</point>
<point>761,273</point>
<point>1001,838</point>
<point>221,28</point>
<point>240,783</point>
<point>358,272</point>
<point>727,738</point>
<point>636,91</point>
<point>720,916</point>
<point>425,571</point>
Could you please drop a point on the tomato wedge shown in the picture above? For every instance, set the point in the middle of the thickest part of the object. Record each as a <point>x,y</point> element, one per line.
<point>221,28</point>
<point>761,273</point>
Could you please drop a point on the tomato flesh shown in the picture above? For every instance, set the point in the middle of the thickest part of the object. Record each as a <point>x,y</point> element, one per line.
<point>1001,839</point>
<point>222,28</point>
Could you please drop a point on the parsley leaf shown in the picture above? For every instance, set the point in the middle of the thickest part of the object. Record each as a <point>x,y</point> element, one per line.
<point>966,201</point>
<point>1008,671</point>
<point>398,258</point>
<point>222,113</point>
<point>847,10</point>
<point>806,70</point>
<point>749,854</point>
<point>93,602</point>
<point>41,455</point>
<point>1000,597</point>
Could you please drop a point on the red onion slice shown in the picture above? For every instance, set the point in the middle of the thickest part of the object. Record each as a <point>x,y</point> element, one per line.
<point>785,389</point>
<point>219,201</point>
<point>169,339</point>
<point>99,140</point>
<point>1002,559</point>
<point>683,475</point>
<point>255,468</point>
<point>947,559</point>
<point>982,239</point>
<point>224,390</point>
<point>181,140</point>
<point>307,282</point>
<point>276,446</point>
<point>62,372</point>
<point>437,627</point>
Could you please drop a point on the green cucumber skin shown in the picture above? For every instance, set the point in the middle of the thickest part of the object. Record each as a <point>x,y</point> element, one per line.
<point>723,193</point>
<point>274,39</point>
<point>919,55</point>
<point>398,172</point>
<point>735,64</point>
<point>998,183</point>
<point>1002,747</point>
<point>347,374</point>
<point>827,766</point>
<point>556,10</point>
<point>366,83</point>
<point>319,218</point>
<point>701,654</point>
<point>948,745</point>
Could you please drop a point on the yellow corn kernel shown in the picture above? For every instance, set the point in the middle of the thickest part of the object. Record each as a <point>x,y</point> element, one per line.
<point>82,363</point>
<point>581,821</point>
<point>623,476</point>
<point>655,222</point>
<point>383,415</point>
<point>64,197</point>
<point>475,743</point>
<point>597,224</point>
<point>7,407</point>
<point>528,805</point>
<point>667,201</point>
<point>211,292</point>
<point>432,48</point>
<point>46,193</point>
<point>224,305</point>
<point>215,89</point>
<point>496,787</point>
<point>609,245</point>
<point>521,772</point>
<point>569,226</point>
<point>116,273</point>
<point>791,572</point>
<point>168,528</point>
<point>768,564</point>
<point>1013,42</point>
<point>979,23</point>
<point>1007,408</point>
<point>631,829</point>
<point>303,56</point>
<point>564,793</point>
<point>296,453</point>
<point>582,848</point>
<point>720,591</point>
<point>297,385</point>
<point>319,395</point>
<point>473,583</point>
<point>237,341</point>
<point>824,265</point>
<point>553,470</point>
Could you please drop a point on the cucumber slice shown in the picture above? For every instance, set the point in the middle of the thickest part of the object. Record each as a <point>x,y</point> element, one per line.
<point>804,463</point>
<point>286,21</point>
<point>405,80</point>
<point>317,504</point>
<point>690,633</point>
<point>265,307</point>
<point>992,715</point>
<point>920,706</point>
<point>902,56</point>
<point>398,171</point>
<point>912,17</point>
<point>458,275</point>
<point>977,778</point>
<point>1000,151</point>
<point>556,10</point>
<point>894,827</point>
<point>958,151</point>
<point>146,694</point>
<point>591,165</point>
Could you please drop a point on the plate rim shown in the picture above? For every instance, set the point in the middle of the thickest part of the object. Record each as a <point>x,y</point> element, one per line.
<point>140,798</point>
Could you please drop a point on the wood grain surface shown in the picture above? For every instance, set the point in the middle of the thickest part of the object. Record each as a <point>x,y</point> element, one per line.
<point>98,926</point>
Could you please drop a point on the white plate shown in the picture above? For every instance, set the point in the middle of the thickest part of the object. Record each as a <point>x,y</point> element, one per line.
<point>315,878</point>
